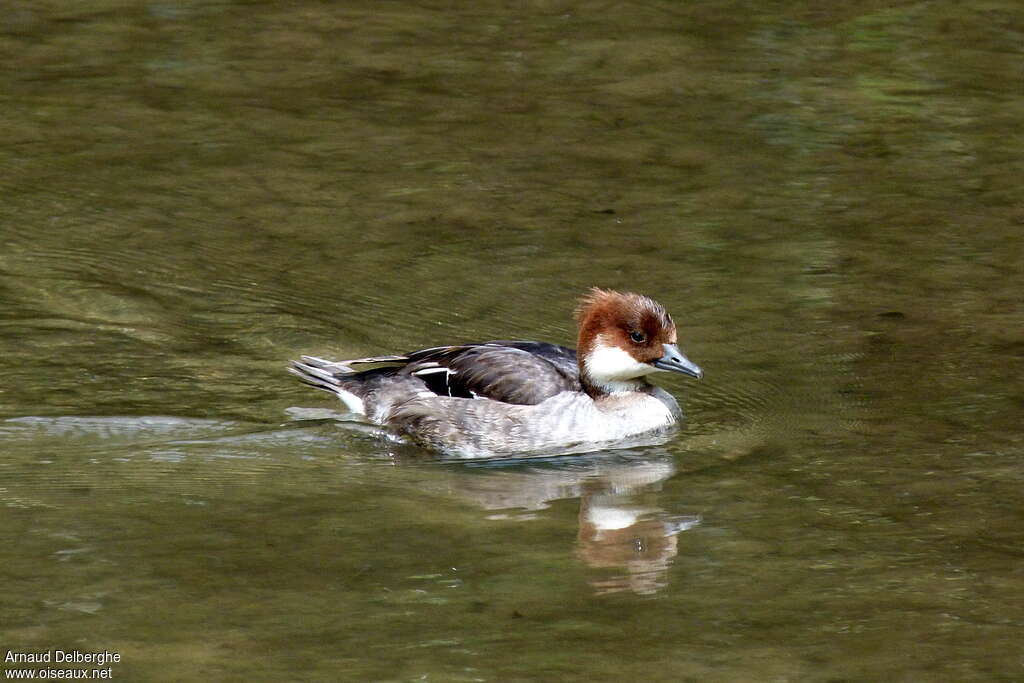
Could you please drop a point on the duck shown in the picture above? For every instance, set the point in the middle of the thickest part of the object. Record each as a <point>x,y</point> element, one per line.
<point>507,398</point>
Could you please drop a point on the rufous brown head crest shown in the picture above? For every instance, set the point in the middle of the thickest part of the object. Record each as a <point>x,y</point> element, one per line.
<point>626,319</point>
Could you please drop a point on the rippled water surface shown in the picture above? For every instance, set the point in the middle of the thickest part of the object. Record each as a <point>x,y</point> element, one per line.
<point>826,197</point>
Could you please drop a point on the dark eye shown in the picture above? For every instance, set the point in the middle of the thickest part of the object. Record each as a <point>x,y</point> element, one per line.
<point>638,337</point>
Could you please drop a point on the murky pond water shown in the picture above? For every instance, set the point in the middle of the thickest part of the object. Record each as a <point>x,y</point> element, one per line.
<point>828,200</point>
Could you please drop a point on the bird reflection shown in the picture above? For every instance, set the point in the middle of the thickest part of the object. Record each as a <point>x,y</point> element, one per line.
<point>629,539</point>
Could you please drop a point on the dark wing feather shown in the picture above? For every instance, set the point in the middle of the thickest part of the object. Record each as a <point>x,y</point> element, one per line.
<point>561,357</point>
<point>524,373</point>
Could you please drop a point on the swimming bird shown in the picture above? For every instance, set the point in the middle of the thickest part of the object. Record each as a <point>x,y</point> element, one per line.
<point>508,398</point>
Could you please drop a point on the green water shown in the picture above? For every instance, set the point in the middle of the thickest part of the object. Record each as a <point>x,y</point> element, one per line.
<point>827,199</point>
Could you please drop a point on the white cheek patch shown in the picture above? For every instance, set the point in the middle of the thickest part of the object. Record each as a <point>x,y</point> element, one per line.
<point>613,364</point>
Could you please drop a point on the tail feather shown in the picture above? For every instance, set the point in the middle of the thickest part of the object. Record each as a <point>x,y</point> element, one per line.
<point>318,373</point>
<point>371,392</point>
<point>330,377</point>
<point>391,360</point>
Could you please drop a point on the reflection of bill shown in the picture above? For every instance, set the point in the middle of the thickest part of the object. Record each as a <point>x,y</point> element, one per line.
<point>615,532</point>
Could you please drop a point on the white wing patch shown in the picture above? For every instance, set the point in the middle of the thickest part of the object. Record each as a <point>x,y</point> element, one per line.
<point>434,368</point>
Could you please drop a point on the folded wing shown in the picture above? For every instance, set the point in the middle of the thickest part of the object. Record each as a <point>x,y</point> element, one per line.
<point>524,373</point>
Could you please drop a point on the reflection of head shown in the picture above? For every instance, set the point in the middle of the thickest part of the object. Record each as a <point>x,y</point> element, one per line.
<point>613,534</point>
